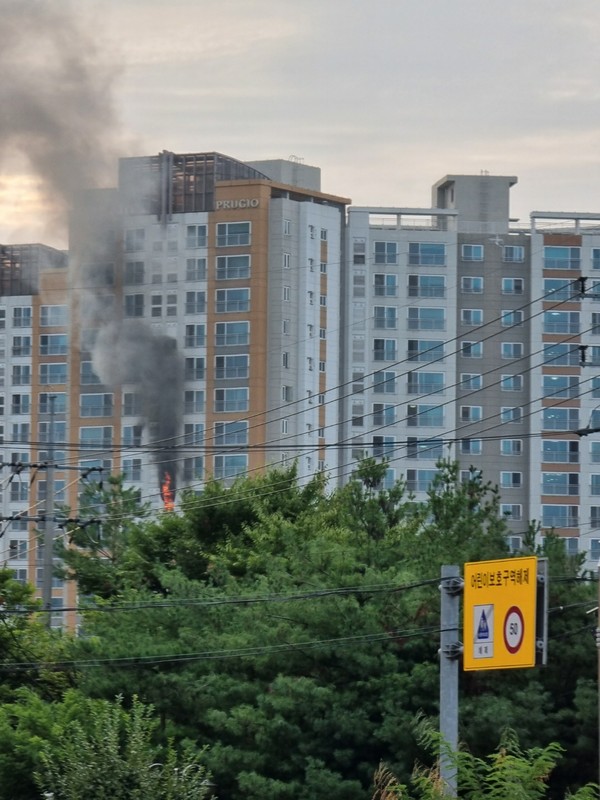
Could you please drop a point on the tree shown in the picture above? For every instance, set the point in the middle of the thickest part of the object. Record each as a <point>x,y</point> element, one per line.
<point>510,773</point>
<point>98,548</point>
<point>297,632</point>
<point>26,643</point>
<point>108,754</point>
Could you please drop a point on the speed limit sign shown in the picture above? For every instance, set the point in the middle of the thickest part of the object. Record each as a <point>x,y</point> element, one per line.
<point>514,629</point>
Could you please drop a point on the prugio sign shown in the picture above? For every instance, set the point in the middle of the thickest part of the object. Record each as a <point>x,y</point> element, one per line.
<point>249,202</point>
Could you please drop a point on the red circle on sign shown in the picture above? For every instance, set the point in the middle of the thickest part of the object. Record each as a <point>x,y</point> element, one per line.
<point>514,639</point>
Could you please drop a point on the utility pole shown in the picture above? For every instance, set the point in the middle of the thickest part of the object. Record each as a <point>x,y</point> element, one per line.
<point>450,650</point>
<point>598,648</point>
<point>49,521</point>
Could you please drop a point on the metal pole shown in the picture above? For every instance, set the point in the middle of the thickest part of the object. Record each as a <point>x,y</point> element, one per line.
<point>49,520</point>
<point>598,648</point>
<point>450,649</point>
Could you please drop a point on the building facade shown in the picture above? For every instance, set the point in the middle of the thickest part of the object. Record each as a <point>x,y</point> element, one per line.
<point>217,317</point>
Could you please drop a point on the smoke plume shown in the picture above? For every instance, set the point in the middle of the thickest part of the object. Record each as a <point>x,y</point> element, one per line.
<point>57,112</point>
<point>56,99</point>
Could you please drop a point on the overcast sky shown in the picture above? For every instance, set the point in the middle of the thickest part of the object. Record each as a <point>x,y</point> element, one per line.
<point>385,96</point>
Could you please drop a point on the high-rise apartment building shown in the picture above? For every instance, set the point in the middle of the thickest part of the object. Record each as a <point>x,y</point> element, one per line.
<point>471,336</point>
<point>217,317</point>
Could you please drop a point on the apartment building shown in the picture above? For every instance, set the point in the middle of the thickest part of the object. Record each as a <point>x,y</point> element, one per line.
<point>217,317</point>
<point>472,336</point>
<point>205,337</point>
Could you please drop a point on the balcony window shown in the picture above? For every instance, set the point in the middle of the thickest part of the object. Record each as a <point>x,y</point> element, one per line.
<point>233,234</point>
<point>427,254</point>
<point>562,257</point>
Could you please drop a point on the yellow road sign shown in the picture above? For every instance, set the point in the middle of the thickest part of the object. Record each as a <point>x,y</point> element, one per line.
<point>499,613</point>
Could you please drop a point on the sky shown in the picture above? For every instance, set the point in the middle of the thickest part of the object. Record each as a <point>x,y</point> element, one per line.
<point>385,96</point>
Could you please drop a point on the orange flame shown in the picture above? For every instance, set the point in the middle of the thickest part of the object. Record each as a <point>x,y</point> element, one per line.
<point>167,493</point>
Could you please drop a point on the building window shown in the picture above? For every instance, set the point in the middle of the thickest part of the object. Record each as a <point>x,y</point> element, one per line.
<point>234,267</point>
<point>53,374</point>
<point>384,414</point>
<point>134,273</point>
<point>132,469</point>
<point>156,305</point>
<point>562,355</point>
<point>60,402</point>
<point>55,344</point>
<point>21,346</point>
<point>514,254</point>
<point>385,285</point>
<point>426,350</point>
<point>22,317</point>
<point>195,335</point>
<point>386,252</point>
<point>426,319</point>
<point>559,516</point>
<point>511,350</point>
<point>134,305</point>
<point>233,234</point>
<point>17,549</point>
<point>511,480</point>
<point>232,300</point>
<point>194,369</point>
<point>565,483</point>
<point>470,447</point>
<point>471,413</point>
<point>97,438</point>
<point>561,321</point>
<point>560,419</point>
<point>559,289</point>
<point>471,285</point>
<point>426,286</point>
<point>420,382</point>
<point>471,381</point>
<point>195,269</point>
<point>134,240</point>
<point>228,433</point>
<point>385,317</point>
<point>511,319</point>
<point>229,367</point>
<point>383,446</point>
<point>513,286</point>
<point>471,316</point>
<point>193,401</point>
<point>427,254</point>
<point>359,250</point>
<point>512,511</point>
<point>95,405</point>
<point>562,257</point>
<point>132,404</point>
<point>195,302</point>
<point>510,414</point>
<point>383,383</point>
<point>322,300</point>
<point>232,333</point>
<point>560,386</point>
<point>472,252</point>
<point>195,236</point>
<point>561,451</point>
<point>235,399</point>
<point>471,349</point>
<point>193,434</point>
<point>230,466</point>
<point>286,294</point>
<point>21,375</point>
<point>54,316</point>
<point>384,350</point>
<point>420,480</point>
<point>132,435</point>
<point>424,416</point>
<point>511,383</point>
